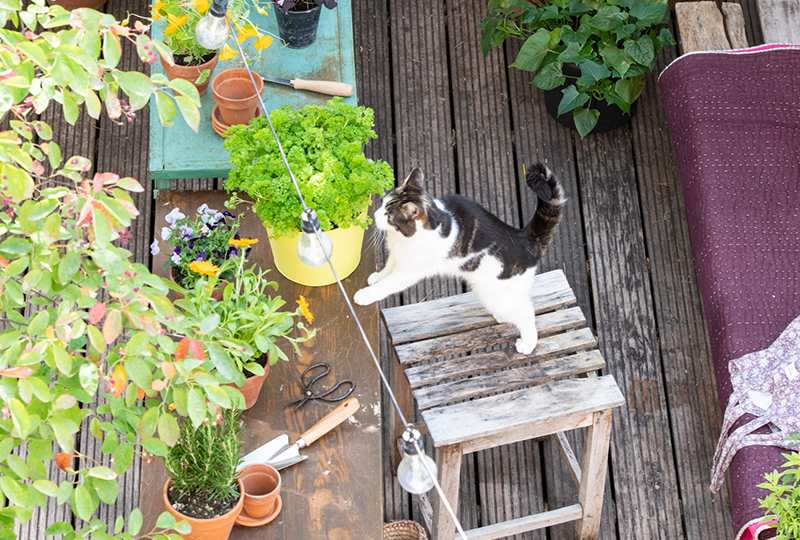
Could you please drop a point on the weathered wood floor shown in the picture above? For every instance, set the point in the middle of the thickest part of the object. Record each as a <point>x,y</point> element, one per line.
<point>471,124</point>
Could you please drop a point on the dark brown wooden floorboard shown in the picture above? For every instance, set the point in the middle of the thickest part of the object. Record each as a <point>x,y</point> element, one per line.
<point>644,474</point>
<point>685,352</point>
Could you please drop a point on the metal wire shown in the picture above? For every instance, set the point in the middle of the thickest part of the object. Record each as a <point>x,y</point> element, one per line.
<point>318,234</point>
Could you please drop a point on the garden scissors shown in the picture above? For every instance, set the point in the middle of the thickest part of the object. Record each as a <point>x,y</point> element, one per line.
<point>308,393</point>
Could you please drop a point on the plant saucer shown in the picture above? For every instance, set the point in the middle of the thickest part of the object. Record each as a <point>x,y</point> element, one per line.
<point>219,124</point>
<point>246,521</point>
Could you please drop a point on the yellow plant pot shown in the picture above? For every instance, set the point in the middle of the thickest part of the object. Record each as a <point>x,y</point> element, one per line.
<point>345,258</point>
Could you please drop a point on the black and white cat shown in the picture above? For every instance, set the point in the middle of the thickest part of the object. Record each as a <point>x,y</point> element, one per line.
<point>455,236</point>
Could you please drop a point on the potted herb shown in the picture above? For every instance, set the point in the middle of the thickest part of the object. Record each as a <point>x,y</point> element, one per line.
<point>324,146</point>
<point>209,237</point>
<point>242,329</point>
<point>298,21</point>
<point>189,60</point>
<point>590,56</point>
<point>203,487</point>
<point>782,505</point>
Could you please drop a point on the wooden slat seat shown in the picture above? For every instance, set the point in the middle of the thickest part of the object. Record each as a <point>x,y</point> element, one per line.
<point>472,398</point>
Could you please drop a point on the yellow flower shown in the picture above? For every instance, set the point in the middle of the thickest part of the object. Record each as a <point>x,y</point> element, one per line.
<point>227,52</point>
<point>246,32</point>
<point>304,311</point>
<point>172,406</point>
<point>157,8</point>
<point>263,41</point>
<point>242,242</point>
<point>262,11</point>
<point>203,267</point>
<point>201,5</point>
<point>175,23</point>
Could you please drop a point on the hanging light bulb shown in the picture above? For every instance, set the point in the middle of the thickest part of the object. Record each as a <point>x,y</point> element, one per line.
<point>212,30</point>
<point>309,248</point>
<point>411,472</point>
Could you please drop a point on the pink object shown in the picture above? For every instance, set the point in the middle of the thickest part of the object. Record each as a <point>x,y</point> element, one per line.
<point>751,532</point>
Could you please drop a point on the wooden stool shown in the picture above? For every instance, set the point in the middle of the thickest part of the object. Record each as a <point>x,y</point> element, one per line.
<point>498,397</point>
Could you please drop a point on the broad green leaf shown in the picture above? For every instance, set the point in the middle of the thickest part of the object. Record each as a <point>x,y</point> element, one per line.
<point>71,111</point>
<point>6,99</point>
<point>209,324</point>
<point>95,429</point>
<point>65,489</point>
<point>110,443</point>
<point>168,429</point>
<point>119,524</point>
<point>47,487</point>
<point>20,417</point>
<point>218,396</point>
<point>649,14</point>
<point>59,527</point>
<point>135,521</point>
<point>42,209</point>
<point>68,267</point>
<point>571,54</point>
<point>181,401</point>
<point>39,323</point>
<point>123,458</point>
<point>533,51</point>
<point>111,49</point>
<point>139,372</point>
<point>17,465</point>
<point>585,120</point>
<point>155,447</point>
<point>630,89</point>
<point>34,53</point>
<point>183,527</point>
<point>107,491</point>
<point>592,73</point>
<point>101,472</point>
<point>619,60</point>
<point>147,424</point>
<point>133,82</point>
<point>186,89</point>
<point>93,105</point>
<point>549,77</point>
<point>63,360</point>
<point>15,246</point>
<point>14,491</point>
<point>197,406</point>
<point>224,364</point>
<point>88,376</point>
<point>165,521</point>
<point>138,345</point>
<point>83,506</point>
<point>64,401</point>
<point>641,50</point>
<point>166,109</point>
<point>571,99</point>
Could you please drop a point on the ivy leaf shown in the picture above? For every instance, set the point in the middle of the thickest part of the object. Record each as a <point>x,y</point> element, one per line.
<point>630,89</point>
<point>571,99</point>
<point>585,120</point>
<point>533,51</point>
<point>592,73</point>
<point>619,60</point>
<point>641,50</point>
<point>549,77</point>
<point>571,54</point>
<point>648,14</point>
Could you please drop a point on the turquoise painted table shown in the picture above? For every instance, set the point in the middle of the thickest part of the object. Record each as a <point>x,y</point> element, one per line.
<point>179,152</point>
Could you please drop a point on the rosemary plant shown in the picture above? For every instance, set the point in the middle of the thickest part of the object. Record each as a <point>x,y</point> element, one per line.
<point>205,458</point>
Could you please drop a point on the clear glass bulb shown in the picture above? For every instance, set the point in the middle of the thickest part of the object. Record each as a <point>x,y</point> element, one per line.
<point>311,252</point>
<point>212,31</point>
<point>412,474</point>
<point>310,248</point>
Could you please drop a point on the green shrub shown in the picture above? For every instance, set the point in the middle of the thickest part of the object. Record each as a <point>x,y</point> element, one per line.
<point>783,502</point>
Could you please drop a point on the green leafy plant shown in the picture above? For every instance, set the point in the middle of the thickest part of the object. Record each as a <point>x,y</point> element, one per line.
<point>783,502</point>
<point>207,237</point>
<point>206,458</point>
<point>614,43</point>
<point>324,146</point>
<point>246,323</point>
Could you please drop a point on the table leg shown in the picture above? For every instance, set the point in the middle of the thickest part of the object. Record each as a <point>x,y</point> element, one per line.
<point>593,475</point>
<point>448,460</point>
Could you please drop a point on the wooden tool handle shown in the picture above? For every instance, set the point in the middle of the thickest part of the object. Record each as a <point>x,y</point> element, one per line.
<point>331,420</point>
<point>324,87</point>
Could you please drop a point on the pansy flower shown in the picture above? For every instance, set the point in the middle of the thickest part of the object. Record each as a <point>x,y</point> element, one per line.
<point>174,216</point>
<point>154,249</point>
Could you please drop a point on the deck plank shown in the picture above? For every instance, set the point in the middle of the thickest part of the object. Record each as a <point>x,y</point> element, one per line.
<point>686,356</point>
<point>644,475</point>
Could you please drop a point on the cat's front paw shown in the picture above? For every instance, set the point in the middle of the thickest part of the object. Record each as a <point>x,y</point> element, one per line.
<point>373,278</point>
<point>365,297</point>
<point>525,347</point>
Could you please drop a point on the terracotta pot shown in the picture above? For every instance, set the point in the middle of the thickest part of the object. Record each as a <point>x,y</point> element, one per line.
<point>262,485</point>
<point>218,528</point>
<point>234,93</point>
<point>69,5</point>
<point>191,73</point>
<point>216,294</point>
<point>252,388</point>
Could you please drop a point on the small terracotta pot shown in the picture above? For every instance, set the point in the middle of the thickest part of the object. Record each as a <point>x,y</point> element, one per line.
<point>252,388</point>
<point>69,5</point>
<point>191,73</point>
<point>218,528</point>
<point>262,485</point>
<point>234,93</point>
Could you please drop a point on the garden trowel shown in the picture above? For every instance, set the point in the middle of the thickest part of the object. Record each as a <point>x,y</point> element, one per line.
<point>332,88</point>
<point>280,454</point>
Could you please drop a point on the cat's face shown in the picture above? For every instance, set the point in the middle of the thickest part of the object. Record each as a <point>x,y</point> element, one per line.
<point>404,209</point>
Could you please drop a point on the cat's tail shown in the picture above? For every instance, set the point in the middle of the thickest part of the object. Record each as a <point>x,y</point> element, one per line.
<point>551,198</point>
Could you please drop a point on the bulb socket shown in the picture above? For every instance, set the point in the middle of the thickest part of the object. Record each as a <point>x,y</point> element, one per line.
<point>309,221</point>
<point>411,436</point>
<point>218,8</point>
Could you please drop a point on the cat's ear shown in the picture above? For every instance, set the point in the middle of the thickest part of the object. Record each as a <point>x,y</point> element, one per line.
<point>411,209</point>
<point>415,180</point>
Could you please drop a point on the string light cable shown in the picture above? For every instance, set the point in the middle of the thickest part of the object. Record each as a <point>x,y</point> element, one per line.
<point>414,441</point>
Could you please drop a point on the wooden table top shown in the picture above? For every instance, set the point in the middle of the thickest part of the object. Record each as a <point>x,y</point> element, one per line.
<point>179,152</point>
<point>336,494</point>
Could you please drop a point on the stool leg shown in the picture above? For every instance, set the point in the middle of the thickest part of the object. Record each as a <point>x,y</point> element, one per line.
<point>448,460</point>
<point>593,475</point>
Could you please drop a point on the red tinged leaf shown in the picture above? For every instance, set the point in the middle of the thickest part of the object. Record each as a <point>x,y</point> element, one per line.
<point>183,349</point>
<point>168,369</point>
<point>139,393</point>
<point>158,385</point>
<point>119,380</point>
<point>97,313</point>
<point>113,326</point>
<point>21,372</point>
<point>63,461</point>
<point>197,350</point>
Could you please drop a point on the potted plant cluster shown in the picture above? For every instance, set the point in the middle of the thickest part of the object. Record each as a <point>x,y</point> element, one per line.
<point>324,146</point>
<point>205,238</point>
<point>590,56</point>
<point>203,487</point>
<point>782,505</point>
<point>187,59</point>
<point>241,330</point>
<point>298,21</point>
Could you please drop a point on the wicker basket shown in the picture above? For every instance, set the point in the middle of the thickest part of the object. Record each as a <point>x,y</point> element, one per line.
<point>404,530</point>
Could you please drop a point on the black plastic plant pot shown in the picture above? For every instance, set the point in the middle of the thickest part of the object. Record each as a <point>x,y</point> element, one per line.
<point>611,116</point>
<point>298,28</point>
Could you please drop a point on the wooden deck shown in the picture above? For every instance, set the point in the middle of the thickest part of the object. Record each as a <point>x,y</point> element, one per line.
<point>471,124</point>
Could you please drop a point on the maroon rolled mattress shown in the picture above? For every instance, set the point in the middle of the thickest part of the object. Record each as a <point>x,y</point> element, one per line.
<point>734,118</point>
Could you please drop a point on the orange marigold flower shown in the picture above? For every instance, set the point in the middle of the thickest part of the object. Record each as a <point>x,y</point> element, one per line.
<point>203,267</point>
<point>247,32</point>
<point>304,311</point>
<point>201,5</point>
<point>175,23</point>
<point>227,52</point>
<point>242,242</point>
<point>172,406</point>
<point>156,12</point>
<point>263,41</point>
